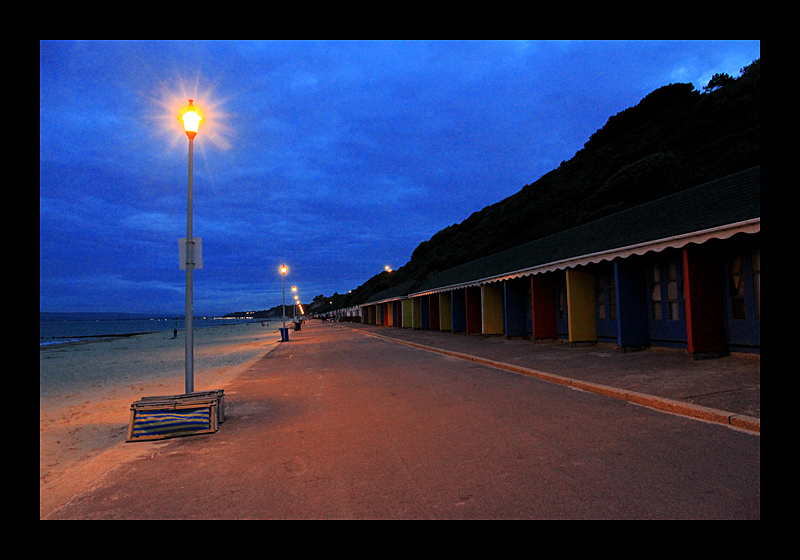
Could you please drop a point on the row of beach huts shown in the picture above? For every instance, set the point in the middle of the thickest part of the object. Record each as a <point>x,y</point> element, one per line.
<point>683,271</point>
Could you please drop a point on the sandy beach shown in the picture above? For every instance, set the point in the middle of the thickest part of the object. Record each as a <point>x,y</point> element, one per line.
<point>86,389</point>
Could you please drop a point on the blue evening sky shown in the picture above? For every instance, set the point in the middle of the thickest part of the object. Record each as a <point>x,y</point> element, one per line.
<point>336,158</point>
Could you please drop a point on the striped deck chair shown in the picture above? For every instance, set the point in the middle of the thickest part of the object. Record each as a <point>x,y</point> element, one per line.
<point>175,415</point>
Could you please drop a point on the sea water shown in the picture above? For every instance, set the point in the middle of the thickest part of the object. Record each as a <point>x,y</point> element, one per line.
<point>112,358</point>
<point>69,330</point>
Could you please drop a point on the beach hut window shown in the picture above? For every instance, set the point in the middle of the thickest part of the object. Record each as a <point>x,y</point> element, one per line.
<point>606,297</point>
<point>757,281</point>
<point>673,297</point>
<point>736,290</point>
<point>666,292</point>
<point>655,291</point>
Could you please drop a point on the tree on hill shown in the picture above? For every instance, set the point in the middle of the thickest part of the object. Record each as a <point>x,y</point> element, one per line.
<point>717,81</point>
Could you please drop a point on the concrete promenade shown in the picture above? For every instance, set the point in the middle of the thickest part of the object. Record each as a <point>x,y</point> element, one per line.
<point>343,423</point>
<point>725,390</point>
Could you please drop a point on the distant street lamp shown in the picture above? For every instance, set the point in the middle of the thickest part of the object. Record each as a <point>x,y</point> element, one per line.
<point>191,124</point>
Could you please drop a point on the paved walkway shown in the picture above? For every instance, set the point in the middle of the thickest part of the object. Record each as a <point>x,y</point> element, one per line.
<point>340,423</point>
<point>725,390</point>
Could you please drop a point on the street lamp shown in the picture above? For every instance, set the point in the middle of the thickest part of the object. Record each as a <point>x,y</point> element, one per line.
<point>284,270</point>
<point>294,291</point>
<point>191,124</point>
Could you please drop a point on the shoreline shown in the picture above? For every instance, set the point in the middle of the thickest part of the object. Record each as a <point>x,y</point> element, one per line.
<point>45,341</point>
<point>87,386</point>
<point>63,340</point>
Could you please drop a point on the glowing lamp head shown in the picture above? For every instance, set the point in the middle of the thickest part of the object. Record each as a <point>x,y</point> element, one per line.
<point>191,120</point>
<point>284,270</point>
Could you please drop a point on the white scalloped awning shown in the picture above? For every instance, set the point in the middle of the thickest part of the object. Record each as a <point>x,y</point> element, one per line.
<point>656,246</point>
<point>393,298</point>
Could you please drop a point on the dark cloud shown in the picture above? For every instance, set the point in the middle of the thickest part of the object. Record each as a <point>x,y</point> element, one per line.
<point>337,158</point>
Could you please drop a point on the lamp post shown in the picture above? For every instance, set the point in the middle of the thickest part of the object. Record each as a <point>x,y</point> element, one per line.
<point>191,124</point>
<point>294,291</point>
<point>284,270</point>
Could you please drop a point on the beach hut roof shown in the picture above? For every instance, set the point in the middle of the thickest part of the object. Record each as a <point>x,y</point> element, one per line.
<point>397,292</point>
<point>717,209</point>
